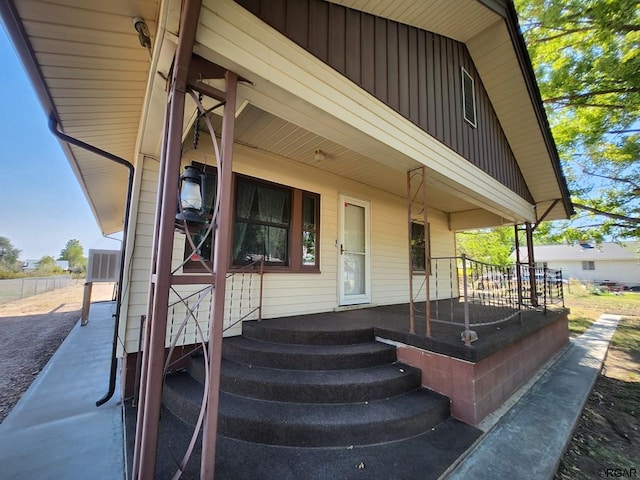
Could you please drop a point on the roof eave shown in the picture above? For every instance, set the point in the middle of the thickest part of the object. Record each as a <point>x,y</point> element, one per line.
<point>529,76</point>
<point>20,40</point>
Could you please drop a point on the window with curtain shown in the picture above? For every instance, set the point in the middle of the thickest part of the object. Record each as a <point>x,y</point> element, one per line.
<point>262,223</point>
<point>271,221</point>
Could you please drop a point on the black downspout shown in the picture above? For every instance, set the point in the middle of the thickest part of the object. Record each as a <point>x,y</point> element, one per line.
<point>53,126</point>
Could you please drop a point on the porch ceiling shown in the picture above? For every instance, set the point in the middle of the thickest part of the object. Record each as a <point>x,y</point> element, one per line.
<point>256,128</point>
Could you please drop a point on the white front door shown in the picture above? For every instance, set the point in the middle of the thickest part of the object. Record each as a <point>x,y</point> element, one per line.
<point>354,256</point>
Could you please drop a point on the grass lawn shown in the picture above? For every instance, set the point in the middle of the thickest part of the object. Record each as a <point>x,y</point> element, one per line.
<point>587,307</point>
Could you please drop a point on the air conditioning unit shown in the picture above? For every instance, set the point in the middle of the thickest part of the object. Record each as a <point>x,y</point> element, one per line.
<point>104,266</point>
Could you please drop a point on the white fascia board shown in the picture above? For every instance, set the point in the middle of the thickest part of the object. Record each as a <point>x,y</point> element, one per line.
<point>152,120</point>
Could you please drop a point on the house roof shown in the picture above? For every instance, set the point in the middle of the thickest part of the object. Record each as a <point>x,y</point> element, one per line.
<point>584,252</point>
<point>92,75</point>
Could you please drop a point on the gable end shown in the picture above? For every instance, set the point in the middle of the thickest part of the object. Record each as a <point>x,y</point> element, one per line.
<point>413,71</point>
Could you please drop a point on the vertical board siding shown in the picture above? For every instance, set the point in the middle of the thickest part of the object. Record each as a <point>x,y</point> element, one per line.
<point>417,73</point>
<point>367,55</point>
<point>297,31</point>
<point>337,38</point>
<point>380,59</point>
<point>318,30</point>
<point>353,52</point>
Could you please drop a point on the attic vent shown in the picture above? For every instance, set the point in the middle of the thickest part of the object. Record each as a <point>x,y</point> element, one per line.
<point>468,98</point>
<point>586,246</point>
<point>103,266</point>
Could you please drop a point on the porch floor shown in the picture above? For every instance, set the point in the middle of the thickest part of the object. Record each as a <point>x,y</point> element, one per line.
<point>392,322</point>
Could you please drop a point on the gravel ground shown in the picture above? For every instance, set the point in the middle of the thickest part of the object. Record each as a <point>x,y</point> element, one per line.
<point>31,330</point>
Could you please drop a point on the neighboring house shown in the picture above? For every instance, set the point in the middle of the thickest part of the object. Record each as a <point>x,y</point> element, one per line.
<point>604,263</point>
<point>32,265</point>
<point>337,102</point>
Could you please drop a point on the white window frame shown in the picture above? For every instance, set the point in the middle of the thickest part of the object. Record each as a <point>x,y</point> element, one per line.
<point>466,77</point>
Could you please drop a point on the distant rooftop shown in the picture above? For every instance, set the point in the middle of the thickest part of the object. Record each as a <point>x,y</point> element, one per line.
<point>585,251</point>
<point>32,264</point>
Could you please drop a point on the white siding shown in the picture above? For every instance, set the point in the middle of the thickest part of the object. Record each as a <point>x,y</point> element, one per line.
<point>626,272</point>
<point>295,293</point>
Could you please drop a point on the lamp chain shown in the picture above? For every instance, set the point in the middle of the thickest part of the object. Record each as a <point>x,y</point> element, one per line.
<point>196,126</point>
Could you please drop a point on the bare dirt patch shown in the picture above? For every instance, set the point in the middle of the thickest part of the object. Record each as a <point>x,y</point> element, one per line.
<point>606,443</point>
<point>31,330</point>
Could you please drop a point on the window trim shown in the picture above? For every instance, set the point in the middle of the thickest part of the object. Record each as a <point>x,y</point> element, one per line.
<point>294,240</point>
<point>258,181</point>
<point>467,79</point>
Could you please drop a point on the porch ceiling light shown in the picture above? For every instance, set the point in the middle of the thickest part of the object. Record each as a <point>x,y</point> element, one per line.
<point>319,156</point>
<point>192,195</point>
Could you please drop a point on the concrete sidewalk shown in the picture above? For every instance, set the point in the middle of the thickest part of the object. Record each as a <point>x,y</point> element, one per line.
<point>56,431</point>
<point>530,439</point>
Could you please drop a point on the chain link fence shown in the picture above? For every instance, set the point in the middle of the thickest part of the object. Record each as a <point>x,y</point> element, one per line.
<point>16,288</point>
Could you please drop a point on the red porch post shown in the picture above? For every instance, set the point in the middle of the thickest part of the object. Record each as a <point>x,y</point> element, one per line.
<point>160,281</point>
<point>221,262</point>
<point>532,265</point>
<point>412,328</point>
<point>422,171</point>
<point>427,253</point>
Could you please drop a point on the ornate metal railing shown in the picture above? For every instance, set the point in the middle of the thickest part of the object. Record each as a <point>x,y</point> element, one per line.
<point>189,321</point>
<point>189,314</point>
<point>488,294</point>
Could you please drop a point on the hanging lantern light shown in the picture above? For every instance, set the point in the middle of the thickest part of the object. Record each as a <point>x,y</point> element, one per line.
<point>192,196</point>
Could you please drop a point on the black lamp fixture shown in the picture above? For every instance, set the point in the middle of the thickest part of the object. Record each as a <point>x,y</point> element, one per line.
<point>192,196</point>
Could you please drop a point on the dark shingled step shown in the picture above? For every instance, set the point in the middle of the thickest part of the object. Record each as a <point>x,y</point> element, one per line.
<point>319,386</point>
<point>426,456</point>
<point>335,425</point>
<point>314,403</point>
<point>307,357</point>
<point>288,392</point>
<point>311,425</point>
<point>259,331</point>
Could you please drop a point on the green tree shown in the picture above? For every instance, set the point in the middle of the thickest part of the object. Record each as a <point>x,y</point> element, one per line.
<point>47,266</point>
<point>74,254</point>
<point>586,55</point>
<point>492,246</point>
<point>8,255</point>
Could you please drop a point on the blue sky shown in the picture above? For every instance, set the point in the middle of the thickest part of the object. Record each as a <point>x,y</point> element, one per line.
<point>41,203</point>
